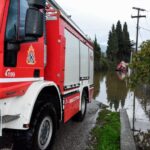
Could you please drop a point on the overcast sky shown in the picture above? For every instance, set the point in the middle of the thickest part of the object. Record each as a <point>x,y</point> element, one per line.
<point>97,16</point>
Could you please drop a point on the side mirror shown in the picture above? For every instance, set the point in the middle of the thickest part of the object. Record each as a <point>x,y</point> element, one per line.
<point>37,3</point>
<point>34,23</point>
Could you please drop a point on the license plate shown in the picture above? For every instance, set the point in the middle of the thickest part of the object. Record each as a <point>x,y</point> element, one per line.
<point>0,123</point>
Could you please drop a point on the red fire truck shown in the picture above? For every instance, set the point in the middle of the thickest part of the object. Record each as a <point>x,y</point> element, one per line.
<point>46,71</point>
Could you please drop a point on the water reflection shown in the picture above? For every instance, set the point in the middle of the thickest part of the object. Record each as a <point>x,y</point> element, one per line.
<point>112,90</point>
<point>116,91</point>
<point>143,94</point>
<point>98,77</point>
<point>121,75</point>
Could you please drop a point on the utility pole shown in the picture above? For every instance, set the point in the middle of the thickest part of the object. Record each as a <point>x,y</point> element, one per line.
<point>137,28</point>
<point>137,35</point>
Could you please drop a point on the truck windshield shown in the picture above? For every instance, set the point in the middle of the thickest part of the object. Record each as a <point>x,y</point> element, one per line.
<point>15,30</point>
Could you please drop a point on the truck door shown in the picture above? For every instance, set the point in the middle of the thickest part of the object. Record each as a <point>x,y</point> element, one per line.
<point>23,52</point>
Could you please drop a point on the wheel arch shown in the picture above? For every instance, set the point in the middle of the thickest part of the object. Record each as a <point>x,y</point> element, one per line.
<point>49,94</point>
<point>37,95</point>
<point>24,106</point>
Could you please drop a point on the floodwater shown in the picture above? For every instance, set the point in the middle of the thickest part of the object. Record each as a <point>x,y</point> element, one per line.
<point>112,90</point>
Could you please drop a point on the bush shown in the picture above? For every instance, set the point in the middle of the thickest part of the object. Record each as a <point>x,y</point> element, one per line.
<point>141,66</point>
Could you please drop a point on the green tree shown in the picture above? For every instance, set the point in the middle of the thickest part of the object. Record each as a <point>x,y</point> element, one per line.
<point>126,43</point>
<point>114,43</point>
<point>97,55</point>
<point>141,66</point>
<point>120,40</point>
<point>118,45</point>
<point>108,51</point>
<point>112,48</point>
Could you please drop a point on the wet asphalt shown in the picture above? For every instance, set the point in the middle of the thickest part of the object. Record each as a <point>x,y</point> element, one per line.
<point>70,136</point>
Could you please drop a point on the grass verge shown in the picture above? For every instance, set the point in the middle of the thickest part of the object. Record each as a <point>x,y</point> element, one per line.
<point>106,134</point>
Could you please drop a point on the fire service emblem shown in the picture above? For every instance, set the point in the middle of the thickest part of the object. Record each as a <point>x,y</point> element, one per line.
<point>31,56</point>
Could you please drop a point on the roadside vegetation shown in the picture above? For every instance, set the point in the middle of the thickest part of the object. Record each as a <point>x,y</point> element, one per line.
<point>106,134</point>
<point>141,66</point>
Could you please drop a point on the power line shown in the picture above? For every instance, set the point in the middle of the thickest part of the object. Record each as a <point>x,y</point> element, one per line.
<point>144,28</point>
<point>147,11</point>
<point>141,36</point>
<point>137,28</point>
<point>147,22</point>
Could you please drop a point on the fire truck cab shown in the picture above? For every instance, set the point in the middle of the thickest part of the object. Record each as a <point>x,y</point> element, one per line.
<point>46,71</point>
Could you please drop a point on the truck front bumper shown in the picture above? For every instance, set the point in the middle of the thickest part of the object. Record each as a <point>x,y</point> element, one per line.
<point>7,119</point>
<point>10,115</point>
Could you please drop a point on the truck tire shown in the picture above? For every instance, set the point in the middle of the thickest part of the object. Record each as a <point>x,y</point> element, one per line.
<point>81,114</point>
<point>41,134</point>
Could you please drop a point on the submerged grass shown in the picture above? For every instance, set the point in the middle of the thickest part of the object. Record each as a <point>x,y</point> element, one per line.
<point>106,134</point>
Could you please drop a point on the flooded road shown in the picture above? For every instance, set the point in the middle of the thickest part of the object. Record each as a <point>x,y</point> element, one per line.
<point>112,90</point>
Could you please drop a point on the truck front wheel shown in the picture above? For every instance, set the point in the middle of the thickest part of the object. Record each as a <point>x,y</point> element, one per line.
<point>42,131</point>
